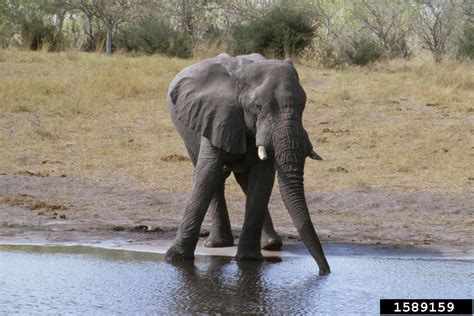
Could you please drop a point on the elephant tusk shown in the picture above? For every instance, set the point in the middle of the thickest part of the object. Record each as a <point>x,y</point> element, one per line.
<point>262,153</point>
<point>314,155</point>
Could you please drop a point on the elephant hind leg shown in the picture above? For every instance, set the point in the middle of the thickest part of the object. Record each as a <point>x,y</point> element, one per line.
<point>207,176</point>
<point>259,189</point>
<point>270,239</point>
<point>221,231</point>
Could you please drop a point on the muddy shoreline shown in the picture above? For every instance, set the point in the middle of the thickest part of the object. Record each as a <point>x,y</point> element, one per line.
<point>73,211</point>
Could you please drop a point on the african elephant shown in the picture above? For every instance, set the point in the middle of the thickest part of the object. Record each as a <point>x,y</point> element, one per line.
<point>221,231</point>
<point>243,115</point>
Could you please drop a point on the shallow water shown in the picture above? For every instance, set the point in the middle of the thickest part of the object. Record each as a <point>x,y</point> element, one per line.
<point>61,280</point>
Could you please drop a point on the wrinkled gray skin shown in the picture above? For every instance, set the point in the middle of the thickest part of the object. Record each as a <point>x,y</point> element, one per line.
<point>224,108</point>
<point>221,231</point>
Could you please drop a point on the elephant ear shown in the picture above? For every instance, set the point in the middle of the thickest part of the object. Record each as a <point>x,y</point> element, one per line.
<point>204,99</point>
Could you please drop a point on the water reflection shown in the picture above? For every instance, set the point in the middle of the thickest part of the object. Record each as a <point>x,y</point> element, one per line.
<point>214,285</point>
<point>222,285</point>
<point>103,253</point>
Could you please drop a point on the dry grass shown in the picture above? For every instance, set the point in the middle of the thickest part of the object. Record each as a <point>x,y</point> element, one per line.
<point>397,124</point>
<point>403,124</point>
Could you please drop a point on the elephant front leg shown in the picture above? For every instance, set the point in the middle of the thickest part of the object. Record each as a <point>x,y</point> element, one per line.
<point>207,176</point>
<point>270,239</point>
<point>260,184</point>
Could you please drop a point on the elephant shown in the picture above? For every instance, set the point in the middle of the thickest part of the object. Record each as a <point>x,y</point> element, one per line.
<point>242,115</point>
<point>221,231</point>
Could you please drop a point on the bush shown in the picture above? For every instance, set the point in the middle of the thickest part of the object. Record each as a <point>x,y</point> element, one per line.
<point>332,56</point>
<point>363,50</point>
<point>465,44</point>
<point>33,21</point>
<point>36,35</point>
<point>282,32</point>
<point>6,33</point>
<point>151,36</point>
<point>95,42</point>
<point>399,48</point>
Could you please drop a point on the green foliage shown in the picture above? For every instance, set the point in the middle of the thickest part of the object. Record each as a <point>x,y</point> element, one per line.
<point>6,29</point>
<point>465,44</point>
<point>150,36</point>
<point>333,56</point>
<point>95,41</point>
<point>398,48</point>
<point>212,34</point>
<point>33,21</point>
<point>282,32</point>
<point>363,50</point>
<point>338,32</point>
<point>36,34</point>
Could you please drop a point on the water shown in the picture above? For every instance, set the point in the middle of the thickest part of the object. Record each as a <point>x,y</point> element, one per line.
<point>81,280</point>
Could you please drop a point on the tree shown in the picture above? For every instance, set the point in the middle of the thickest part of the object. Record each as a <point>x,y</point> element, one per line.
<point>466,42</point>
<point>186,16</point>
<point>151,35</point>
<point>388,21</point>
<point>110,12</point>
<point>282,32</point>
<point>6,29</point>
<point>327,12</point>
<point>39,23</point>
<point>434,24</point>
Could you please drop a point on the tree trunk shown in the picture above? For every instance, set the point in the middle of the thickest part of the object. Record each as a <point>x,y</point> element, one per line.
<point>108,44</point>
<point>58,35</point>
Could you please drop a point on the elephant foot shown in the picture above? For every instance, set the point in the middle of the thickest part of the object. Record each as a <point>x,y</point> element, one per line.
<point>272,243</point>
<point>324,271</point>
<point>176,254</point>
<point>249,255</point>
<point>218,241</point>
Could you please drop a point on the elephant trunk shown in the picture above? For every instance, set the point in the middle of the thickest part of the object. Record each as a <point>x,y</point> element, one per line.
<point>290,154</point>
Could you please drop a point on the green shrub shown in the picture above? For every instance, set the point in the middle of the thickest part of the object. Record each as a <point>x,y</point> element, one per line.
<point>35,34</point>
<point>95,42</point>
<point>363,50</point>
<point>465,44</point>
<point>399,48</point>
<point>6,32</point>
<point>282,32</point>
<point>151,36</point>
<point>332,56</point>
<point>33,21</point>
<point>213,34</point>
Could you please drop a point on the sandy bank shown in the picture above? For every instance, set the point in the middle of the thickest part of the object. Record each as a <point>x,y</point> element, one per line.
<point>62,210</point>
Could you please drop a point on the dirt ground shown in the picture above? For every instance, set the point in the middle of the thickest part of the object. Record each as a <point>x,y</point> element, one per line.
<point>58,210</point>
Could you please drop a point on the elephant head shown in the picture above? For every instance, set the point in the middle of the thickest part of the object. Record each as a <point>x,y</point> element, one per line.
<point>243,102</point>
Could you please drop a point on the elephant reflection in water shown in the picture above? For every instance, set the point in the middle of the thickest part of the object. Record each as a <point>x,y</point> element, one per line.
<point>242,115</point>
<point>216,285</point>
<point>219,286</point>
